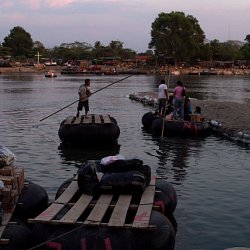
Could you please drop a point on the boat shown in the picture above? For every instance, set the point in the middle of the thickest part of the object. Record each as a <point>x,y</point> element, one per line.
<point>89,129</point>
<point>193,128</point>
<point>51,74</point>
<point>107,220</point>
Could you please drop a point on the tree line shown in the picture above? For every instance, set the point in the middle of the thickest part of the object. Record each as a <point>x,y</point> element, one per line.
<point>174,36</point>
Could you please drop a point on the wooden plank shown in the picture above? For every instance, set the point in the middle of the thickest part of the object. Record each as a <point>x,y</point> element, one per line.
<point>106,119</point>
<point>75,212</point>
<point>96,215</point>
<point>143,214</point>
<point>49,213</point>
<point>97,119</point>
<point>69,192</point>
<point>118,216</point>
<point>68,120</point>
<point>77,121</point>
<point>87,119</point>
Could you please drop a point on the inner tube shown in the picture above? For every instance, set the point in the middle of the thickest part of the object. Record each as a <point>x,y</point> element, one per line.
<point>89,133</point>
<point>18,234</point>
<point>180,128</point>
<point>162,237</point>
<point>31,202</point>
<point>166,194</point>
<point>147,120</point>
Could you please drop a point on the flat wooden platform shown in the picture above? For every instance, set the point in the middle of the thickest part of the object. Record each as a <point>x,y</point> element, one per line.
<point>88,119</point>
<point>109,210</point>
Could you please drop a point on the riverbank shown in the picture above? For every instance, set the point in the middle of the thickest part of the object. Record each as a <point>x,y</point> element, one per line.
<point>156,71</point>
<point>228,119</point>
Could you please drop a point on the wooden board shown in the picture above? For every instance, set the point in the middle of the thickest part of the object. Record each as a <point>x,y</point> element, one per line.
<point>69,120</point>
<point>99,210</point>
<point>143,214</point>
<point>68,193</point>
<point>97,119</point>
<point>75,212</point>
<point>106,119</point>
<point>90,211</point>
<point>119,214</point>
<point>77,121</point>
<point>87,119</point>
<point>49,213</point>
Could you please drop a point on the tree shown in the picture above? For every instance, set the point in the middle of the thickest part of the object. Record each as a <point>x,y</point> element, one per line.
<point>176,35</point>
<point>19,42</point>
<point>116,47</point>
<point>245,49</point>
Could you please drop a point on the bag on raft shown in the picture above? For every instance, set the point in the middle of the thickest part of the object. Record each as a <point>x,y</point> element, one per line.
<point>87,179</point>
<point>109,159</point>
<point>129,182</point>
<point>6,157</point>
<point>120,166</point>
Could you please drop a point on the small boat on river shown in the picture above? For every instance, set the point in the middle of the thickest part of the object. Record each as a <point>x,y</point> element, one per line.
<point>89,129</point>
<point>51,74</point>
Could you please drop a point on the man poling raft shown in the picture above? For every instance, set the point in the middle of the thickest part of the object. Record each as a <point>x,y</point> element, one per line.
<point>89,128</point>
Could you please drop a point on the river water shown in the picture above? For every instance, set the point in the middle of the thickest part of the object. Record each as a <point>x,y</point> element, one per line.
<point>210,175</point>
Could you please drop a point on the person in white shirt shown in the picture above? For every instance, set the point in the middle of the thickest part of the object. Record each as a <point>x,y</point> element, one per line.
<point>162,97</point>
<point>84,92</point>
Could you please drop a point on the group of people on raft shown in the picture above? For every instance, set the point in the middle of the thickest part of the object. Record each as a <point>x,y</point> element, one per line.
<point>176,106</point>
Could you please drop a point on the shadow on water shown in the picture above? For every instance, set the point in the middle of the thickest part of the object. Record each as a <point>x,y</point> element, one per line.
<point>76,155</point>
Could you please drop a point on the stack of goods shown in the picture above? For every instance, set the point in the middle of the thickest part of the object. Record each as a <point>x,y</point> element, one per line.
<point>11,181</point>
<point>118,176</point>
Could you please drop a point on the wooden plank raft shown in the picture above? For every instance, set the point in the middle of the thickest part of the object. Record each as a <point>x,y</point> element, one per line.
<point>88,119</point>
<point>107,210</point>
<point>13,179</point>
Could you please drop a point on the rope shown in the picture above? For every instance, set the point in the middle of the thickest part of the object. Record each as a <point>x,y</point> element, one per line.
<point>59,236</point>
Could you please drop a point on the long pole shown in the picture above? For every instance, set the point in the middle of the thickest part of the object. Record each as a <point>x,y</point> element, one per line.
<point>164,113</point>
<point>91,94</point>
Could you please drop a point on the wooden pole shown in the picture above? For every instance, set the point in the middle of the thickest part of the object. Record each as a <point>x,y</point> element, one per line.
<point>78,99</point>
<point>164,113</point>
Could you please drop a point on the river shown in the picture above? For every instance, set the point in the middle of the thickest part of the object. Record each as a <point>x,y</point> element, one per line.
<point>210,175</point>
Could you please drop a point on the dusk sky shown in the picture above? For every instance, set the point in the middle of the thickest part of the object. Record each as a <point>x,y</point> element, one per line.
<point>53,22</point>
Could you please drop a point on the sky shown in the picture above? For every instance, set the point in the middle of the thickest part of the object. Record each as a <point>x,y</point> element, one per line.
<point>53,22</point>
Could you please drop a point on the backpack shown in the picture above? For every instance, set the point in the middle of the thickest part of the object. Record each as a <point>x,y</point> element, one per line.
<point>183,92</point>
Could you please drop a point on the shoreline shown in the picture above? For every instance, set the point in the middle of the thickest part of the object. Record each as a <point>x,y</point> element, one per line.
<point>227,119</point>
<point>155,71</point>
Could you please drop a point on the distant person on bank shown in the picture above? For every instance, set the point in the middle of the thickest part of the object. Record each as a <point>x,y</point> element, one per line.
<point>84,92</point>
<point>162,97</point>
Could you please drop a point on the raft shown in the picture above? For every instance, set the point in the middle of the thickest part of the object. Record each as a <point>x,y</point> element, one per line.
<point>89,129</point>
<point>106,221</point>
<point>20,200</point>
<point>176,128</point>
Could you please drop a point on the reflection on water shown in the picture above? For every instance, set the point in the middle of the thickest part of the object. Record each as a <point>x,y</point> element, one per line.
<point>210,175</point>
<point>77,155</point>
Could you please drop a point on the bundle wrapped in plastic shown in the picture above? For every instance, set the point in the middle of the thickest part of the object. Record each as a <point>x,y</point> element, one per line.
<point>6,157</point>
<point>129,182</point>
<point>110,159</point>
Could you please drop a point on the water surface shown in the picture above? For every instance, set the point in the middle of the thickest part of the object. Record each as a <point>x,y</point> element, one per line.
<point>210,175</point>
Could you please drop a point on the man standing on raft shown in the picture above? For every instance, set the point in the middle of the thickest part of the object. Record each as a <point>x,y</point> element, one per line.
<point>84,92</point>
<point>162,97</point>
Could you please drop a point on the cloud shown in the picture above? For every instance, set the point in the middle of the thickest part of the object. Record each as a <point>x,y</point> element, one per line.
<point>37,4</point>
